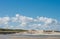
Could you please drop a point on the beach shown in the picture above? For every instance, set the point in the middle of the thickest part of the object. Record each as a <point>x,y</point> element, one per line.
<point>29,37</point>
<point>36,38</point>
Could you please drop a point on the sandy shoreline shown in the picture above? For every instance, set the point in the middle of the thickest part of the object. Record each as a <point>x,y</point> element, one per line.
<point>35,38</point>
<point>29,37</point>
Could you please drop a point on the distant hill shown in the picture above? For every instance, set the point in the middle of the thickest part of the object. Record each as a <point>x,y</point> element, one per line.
<point>19,30</point>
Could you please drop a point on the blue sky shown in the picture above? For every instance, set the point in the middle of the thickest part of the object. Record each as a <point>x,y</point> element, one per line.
<point>30,8</point>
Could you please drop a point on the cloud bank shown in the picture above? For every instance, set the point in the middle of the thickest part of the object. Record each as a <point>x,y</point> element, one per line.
<point>24,22</point>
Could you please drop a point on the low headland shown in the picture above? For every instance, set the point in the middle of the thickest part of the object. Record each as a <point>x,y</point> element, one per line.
<point>11,31</point>
<point>32,32</point>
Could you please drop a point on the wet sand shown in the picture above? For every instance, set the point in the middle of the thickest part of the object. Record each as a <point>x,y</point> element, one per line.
<point>29,37</point>
<point>36,38</point>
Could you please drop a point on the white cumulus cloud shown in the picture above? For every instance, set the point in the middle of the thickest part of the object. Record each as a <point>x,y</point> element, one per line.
<point>20,21</point>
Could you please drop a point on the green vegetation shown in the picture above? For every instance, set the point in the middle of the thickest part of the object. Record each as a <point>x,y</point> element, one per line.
<point>11,31</point>
<point>18,30</point>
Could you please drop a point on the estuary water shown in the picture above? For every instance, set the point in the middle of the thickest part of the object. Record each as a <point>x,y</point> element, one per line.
<point>9,36</point>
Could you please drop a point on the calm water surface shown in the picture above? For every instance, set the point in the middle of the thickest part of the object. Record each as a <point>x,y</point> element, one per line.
<point>8,36</point>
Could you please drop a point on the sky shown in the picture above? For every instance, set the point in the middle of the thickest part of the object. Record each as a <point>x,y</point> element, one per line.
<point>30,14</point>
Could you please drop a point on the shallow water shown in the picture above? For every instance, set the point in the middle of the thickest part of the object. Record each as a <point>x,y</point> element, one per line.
<point>8,36</point>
